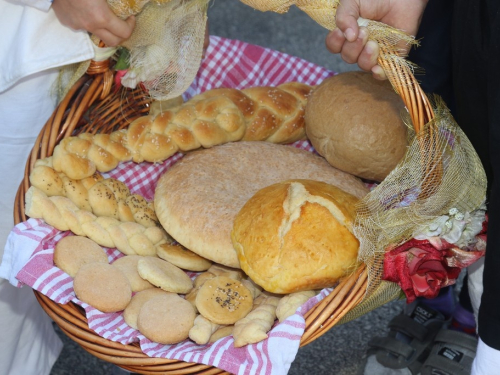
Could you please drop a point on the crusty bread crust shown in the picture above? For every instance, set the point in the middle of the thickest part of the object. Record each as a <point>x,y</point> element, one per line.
<point>197,200</point>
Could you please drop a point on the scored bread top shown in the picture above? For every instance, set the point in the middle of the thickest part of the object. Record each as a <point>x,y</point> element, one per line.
<point>197,200</point>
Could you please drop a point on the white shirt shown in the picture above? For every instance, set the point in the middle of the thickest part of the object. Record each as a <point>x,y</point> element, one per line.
<point>33,40</point>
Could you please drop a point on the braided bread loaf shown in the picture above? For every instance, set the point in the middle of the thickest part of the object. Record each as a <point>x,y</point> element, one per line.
<point>274,114</point>
<point>102,197</point>
<point>129,238</point>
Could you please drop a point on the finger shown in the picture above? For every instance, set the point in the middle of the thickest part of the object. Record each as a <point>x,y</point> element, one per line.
<point>109,39</point>
<point>368,57</point>
<point>352,50</point>
<point>335,40</point>
<point>347,19</point>
<point>120,28</point>
<point>378,73</point>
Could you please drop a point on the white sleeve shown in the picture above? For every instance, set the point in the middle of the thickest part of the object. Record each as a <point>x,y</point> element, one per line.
<point>38,4</point>
<point>487,360</point>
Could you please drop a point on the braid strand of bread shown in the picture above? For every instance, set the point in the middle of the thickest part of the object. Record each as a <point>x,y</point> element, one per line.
<point>102,197</point>
<point>273,114</point>
<point>128,237</point>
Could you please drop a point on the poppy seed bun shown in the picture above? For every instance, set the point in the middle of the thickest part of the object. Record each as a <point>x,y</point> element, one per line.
<point>354,122</point>
<point>296,235</point>
<point>197,199</point>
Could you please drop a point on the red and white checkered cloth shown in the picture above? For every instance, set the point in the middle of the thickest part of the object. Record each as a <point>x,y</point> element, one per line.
<point>28,257</point>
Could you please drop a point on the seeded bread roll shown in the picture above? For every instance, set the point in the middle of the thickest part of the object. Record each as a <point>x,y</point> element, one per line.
<point>223,300</point>
<point>354,121</point>
<point>296,235</point>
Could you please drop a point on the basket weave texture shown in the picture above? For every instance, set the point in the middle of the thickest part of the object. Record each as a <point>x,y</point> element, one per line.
<point>93,106</point>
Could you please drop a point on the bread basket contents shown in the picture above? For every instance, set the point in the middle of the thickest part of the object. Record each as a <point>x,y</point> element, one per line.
<point>103,197</point>
<point>296,235</point>
<point>354,121</point>
<point>223,300</point>
<point>128,264</point>
<point>182,257</point>
<point>72,252</point>
<point>197,200</point>
<point>273,114</point>
<point>102,286</point>
<point>166,319</point>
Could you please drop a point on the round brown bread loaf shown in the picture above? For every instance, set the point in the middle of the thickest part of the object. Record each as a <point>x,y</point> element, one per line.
<point>354,121</point>
<point>197,200</point>
<point>296,235</point>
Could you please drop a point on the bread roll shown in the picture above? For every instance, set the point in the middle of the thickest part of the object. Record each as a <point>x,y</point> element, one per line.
<point>354,121</point>
<point>296,235</point>
<point>197,200</point>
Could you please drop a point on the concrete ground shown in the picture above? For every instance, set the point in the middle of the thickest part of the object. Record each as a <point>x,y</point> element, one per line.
<point>340,350</point>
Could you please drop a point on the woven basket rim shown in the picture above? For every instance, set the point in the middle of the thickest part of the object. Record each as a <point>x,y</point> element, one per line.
<point>71,317</point>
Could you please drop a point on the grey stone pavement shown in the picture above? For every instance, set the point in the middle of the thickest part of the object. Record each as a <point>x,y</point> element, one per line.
<point>339,351</point>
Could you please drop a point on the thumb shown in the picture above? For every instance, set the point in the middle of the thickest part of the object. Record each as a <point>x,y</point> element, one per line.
<point>347,19</point>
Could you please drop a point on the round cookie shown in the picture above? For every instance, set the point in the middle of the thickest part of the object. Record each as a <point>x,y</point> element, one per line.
<point>197,199</point>
<point>183,258</point>
<point>72,252</point>
<point>223,300</point>
<point>164,275</point>
<point>166,319</point>
<point>128,265</point>
<point>102,286</point>
<point>131,312</point>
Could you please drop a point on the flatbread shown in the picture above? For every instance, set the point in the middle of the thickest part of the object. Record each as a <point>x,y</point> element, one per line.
<point>197,200</point>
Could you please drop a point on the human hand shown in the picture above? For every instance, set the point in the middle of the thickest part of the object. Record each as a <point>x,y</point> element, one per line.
<point>351,41</point>
<point>96,17</point>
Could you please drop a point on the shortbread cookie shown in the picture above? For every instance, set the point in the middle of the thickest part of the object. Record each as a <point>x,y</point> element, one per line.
<point>166,319</point>
<point>223,300</point>
<point>128,265</point>
<point>183,258</point>
<point>220,270</point>
<point>72,252</point>
<point>102,286</point>
<point>131,312</point>
<point>164,275</point>
<point>197,283</point>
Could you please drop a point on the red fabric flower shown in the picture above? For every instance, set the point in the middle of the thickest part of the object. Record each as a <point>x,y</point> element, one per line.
<point>423,267</point>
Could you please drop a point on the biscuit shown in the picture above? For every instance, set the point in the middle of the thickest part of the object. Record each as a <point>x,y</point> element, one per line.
<point>183,258</point>
<point>72,252</point>
<point>131,312</point>
<point>164,275</point>
<point>102,286</point>
<point>128,265</point>
<point>166,319</point>
<point>223,300</point>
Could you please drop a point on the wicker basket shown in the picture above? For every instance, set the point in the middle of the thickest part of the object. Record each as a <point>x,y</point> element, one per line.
<point>93,106</point>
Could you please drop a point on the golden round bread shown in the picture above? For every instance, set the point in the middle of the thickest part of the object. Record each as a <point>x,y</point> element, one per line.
<point>164,275</point>
<point>131,312</point>
<point>183,258</point>
<point>296,235</point>
<point>197,200</point>
<point>223,300</point>
<point>166,319</point>
<point>72,252</point>
<point>129,266</point>
<point>102,286</point>
<point>354,121</point>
